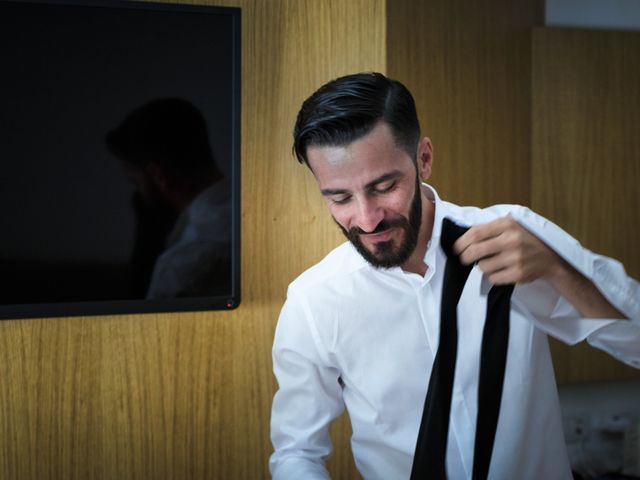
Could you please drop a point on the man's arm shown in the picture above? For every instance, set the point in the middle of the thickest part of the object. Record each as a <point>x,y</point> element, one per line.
<point>309,398</point>
<point>581,292</point>
<point>508,253</point>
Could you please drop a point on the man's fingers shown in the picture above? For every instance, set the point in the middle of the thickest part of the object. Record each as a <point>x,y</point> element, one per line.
<point>504,268</point>
<point>481,233</point>
<point>504,277</point>
<point>479,251</point>
<point>494,264</point>
<point>506,252</point>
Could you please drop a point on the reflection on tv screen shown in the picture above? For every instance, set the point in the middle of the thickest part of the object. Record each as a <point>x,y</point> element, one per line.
<point>120,151</point>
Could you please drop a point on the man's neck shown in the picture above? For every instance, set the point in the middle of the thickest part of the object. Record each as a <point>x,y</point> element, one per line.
<point>415,263</point>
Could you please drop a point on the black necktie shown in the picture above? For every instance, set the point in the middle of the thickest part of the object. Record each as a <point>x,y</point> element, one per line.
<point>431,449</point>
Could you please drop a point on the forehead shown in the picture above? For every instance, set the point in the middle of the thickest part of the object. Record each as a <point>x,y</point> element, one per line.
<point>359,162</point>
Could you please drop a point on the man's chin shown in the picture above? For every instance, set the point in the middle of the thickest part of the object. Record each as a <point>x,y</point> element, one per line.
<point>389,253</point>
<point>383,254</point>
<point>378,249</point>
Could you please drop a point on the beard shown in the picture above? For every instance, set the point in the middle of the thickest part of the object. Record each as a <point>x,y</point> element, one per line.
<point>386,254</point>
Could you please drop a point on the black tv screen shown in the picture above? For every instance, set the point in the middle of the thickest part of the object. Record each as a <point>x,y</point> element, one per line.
<point>120,151</point>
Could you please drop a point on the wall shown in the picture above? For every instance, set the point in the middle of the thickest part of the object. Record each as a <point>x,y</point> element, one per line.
<point>586,166</point>
<point>468,65</point>
<point>188,395</point>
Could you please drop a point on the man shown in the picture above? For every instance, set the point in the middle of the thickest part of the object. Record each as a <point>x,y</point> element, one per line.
<point>360,328</point>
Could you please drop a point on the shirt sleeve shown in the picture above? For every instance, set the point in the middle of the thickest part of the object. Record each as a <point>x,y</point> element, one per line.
<point>309,397</point>
<point>555,315</point>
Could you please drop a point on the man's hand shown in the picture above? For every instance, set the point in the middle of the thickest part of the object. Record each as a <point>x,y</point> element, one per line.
<point>507,252</point>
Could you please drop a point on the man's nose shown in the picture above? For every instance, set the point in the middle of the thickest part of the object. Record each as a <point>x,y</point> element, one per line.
<point>370,214</point>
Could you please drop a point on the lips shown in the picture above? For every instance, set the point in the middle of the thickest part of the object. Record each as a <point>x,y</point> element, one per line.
<point>376,237</point>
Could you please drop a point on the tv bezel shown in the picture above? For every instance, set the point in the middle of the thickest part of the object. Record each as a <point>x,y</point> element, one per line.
<point>166,305</point>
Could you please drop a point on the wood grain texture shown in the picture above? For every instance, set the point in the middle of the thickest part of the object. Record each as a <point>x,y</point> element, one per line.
<point>586,165</point>
<point>188,395</point>
<point>468,65</point>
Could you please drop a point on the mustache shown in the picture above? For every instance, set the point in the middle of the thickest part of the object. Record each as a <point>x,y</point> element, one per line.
<point>381,227</point>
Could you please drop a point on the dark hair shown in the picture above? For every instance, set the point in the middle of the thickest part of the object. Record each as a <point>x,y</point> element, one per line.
<point>349,107</point>
<point>171,132</point>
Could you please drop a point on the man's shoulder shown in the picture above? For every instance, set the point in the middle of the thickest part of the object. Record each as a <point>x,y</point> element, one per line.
<point>471,215</point>
<point>334,268</point>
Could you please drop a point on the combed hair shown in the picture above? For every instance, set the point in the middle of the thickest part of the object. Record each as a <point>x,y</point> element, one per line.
<point>349,107</point>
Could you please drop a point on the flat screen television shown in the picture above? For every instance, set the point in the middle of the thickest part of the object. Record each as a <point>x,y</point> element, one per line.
<point>120,151</point>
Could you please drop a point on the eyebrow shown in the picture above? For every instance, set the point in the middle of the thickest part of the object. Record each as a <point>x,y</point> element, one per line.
<point>381,179</point>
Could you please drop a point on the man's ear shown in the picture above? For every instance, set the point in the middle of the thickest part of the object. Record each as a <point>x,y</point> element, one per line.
<point>425,158</point>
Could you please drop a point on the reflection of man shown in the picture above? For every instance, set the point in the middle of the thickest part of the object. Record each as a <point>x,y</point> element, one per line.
<point>182,201</point>
<point>360,329</point>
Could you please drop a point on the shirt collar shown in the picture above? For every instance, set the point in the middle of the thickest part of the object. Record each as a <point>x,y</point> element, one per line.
<point>439,213</point>
<point>433,252</point>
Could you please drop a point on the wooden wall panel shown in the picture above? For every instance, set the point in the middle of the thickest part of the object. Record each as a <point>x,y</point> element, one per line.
<point>188,395</point>
<point>468,65</point>
<point>586,165</point>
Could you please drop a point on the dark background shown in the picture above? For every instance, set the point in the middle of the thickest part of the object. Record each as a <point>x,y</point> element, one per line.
<point>71,73</point>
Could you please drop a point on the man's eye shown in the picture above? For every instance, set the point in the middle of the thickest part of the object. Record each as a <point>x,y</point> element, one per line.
<point>385,187</point>
<point>341,200</point>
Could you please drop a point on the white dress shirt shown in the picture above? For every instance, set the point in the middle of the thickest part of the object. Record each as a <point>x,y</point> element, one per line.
<point>365,338</point>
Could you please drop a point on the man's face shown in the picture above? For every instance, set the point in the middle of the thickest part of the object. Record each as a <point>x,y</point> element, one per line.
<point>372,189</point>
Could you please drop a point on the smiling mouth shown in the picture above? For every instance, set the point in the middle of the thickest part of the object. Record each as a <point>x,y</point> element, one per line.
<point>375,237</point>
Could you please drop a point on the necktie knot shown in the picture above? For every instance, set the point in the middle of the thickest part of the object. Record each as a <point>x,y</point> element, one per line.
<point>450,232</point>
